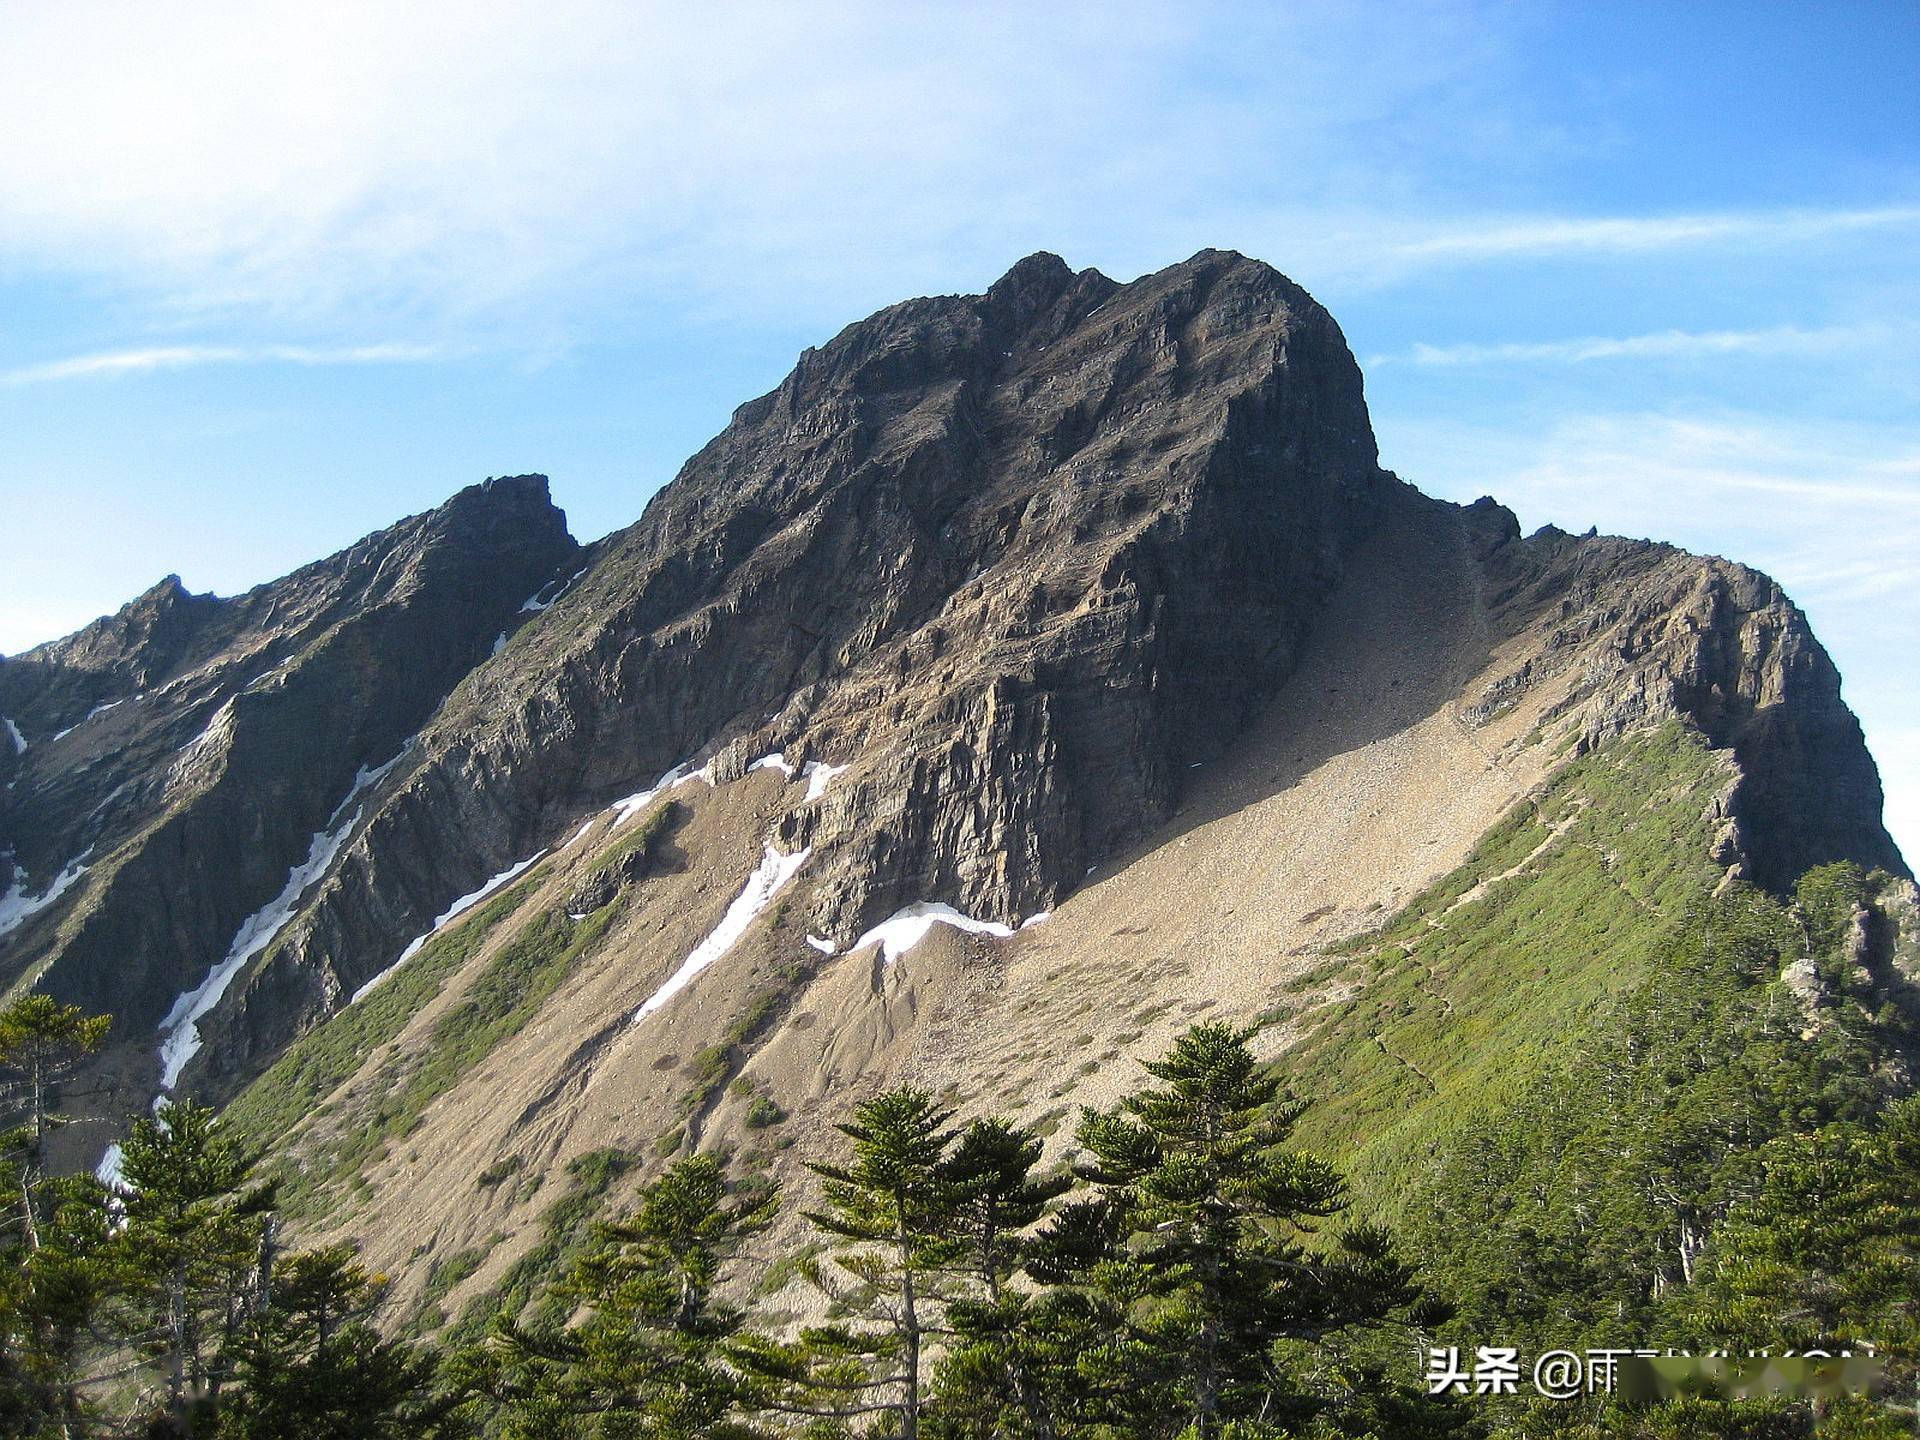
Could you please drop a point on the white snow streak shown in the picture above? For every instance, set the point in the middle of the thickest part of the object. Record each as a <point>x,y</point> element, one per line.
<point>108,1170</point>
<point>447,917</point>
<point>1039,917</point>
<point>17,907</point>
<point>823,945</point>
<point>580,834</point>
<point>773,762</point>
<point>906,928</point>
<point>625,810</point>
<point>765,883</point>
<point>534,602</point>
<point>60,735</point>
<point>13,734</point>
<point>220,717</point>
<point>180,1029</point>
<point>499,644</point>
<point>818,776</point>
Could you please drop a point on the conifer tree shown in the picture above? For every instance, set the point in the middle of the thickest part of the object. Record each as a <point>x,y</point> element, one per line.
<point>892,1205</point>
<point>307,1365</point>
<point>50,1307</point>
<point>1215,1268</point>
<point>192,1243</point>
<point>53,1232</point>
<point>650,1354</point>
<point>1826,1256</point>
<point>990,1380</point>
<point>41,1043</point>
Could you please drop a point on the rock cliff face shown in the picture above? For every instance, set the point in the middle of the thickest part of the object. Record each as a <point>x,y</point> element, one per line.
<point>1016,561</point>
<point>1658,634</point>
<point>184,755</point>
<point>992,578</point>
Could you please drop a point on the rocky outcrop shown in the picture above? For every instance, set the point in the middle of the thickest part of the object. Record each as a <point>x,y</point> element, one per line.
<point>1655,634</point>
<point>1015,560</point>
<point>189,749</point>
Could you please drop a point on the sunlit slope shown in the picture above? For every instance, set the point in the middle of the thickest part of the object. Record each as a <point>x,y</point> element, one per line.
<point>1453,1007</point>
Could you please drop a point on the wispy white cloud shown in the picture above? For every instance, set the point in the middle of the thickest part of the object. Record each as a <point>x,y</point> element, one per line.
<point>1663,344</point>
<point>1492,238</point>
<point>554,158</point>
<point>109,363</point>
<point>1832,509</point>
<point>1388,249</point>
<point>457,160</point>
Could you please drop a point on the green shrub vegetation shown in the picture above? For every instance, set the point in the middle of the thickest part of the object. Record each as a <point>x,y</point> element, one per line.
<point>316,1064</point>
<point>1466,1001</point>
<point>563,1230</point>
<point>1585,1092</point>
<point>507,992</point>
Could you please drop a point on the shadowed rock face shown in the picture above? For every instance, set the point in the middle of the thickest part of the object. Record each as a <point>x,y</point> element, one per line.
<point>1017,561</point>
<point>188,747</point>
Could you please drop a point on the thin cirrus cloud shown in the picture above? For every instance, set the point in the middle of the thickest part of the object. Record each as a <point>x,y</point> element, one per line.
<point>1832,509</point>
<point>1553,235</point>
<point>458,162</point>
<point>109,363</point>
<point>1388,250</point>
<point>1663,344</point>
<point>467,159</point>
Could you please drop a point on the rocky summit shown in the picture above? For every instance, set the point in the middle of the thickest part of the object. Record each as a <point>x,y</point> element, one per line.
<point>1029,674</point>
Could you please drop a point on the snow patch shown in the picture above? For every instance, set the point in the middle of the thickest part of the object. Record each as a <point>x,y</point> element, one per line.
<point>108,1170</point>
<point>773,762</point>
<point>540,600</point>
<point>1039,917</point>
<point>447,917</point>
<point>13,734</point>
<point>60,735</point>
<point>625,810</point>
<point>580,834</point>
<point>17,907</point>
<point>824,946</point>
<point>906,928</point>
<point>772,876</point>
<point>180,1030</point>
<point>222,716</point>
<point>499,644</point>
<point>818,776</point>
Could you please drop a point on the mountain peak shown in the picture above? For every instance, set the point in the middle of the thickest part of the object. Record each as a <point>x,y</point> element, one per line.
<point>1033,282</point>
<point>1001,582</point>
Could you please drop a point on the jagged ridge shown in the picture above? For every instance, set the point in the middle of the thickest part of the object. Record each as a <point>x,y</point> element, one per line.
<point>1020,561</point>
<point>189,747</point>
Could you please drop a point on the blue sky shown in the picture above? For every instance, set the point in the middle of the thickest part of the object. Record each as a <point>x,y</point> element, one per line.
<point>272,275</point>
